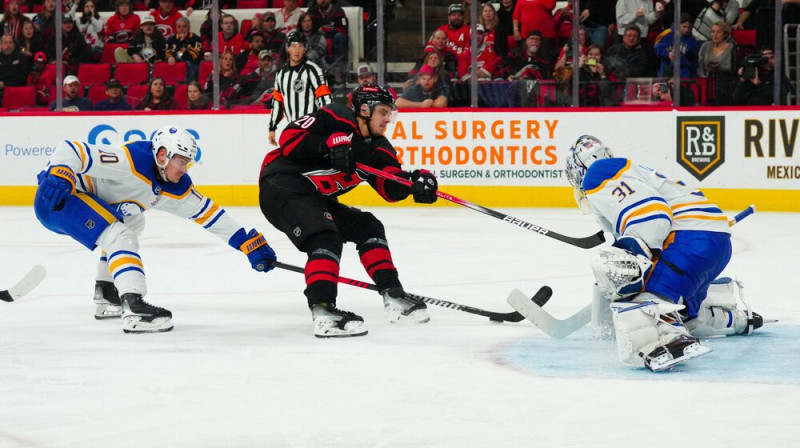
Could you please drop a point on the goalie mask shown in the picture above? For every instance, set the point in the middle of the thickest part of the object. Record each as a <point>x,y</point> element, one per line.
<point>581,155</point>
<point>176,141</point>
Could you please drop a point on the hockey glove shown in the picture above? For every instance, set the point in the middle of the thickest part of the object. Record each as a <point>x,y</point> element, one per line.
<point>341,153</point>
<point>424,186</point>
<point>57,186</point>
<point>255,246</point>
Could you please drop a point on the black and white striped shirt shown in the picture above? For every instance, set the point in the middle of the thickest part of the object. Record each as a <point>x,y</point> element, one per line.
<point>299,91</point>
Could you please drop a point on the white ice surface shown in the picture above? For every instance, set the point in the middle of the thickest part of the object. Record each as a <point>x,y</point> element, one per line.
<point>242,369</point>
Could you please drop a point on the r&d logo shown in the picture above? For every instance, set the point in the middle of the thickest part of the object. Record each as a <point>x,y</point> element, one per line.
<point>701,144</point>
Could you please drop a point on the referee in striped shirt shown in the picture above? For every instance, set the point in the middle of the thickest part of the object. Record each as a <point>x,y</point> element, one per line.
<point>300,86</point>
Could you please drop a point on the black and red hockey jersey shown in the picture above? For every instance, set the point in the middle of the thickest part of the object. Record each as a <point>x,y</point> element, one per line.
<point>302,151</point>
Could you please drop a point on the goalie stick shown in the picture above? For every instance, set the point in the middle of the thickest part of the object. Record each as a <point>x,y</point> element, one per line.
<point>541,297</point>
<point>582,242</point>
<point>24,286</point>
<point>561,328</point>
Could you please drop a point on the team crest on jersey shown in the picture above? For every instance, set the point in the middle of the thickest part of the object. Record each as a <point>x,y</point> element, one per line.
<point>297,85</point>
<point>701,144</point>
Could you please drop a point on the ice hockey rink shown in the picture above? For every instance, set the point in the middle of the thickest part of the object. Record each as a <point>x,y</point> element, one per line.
<point>242,368</point>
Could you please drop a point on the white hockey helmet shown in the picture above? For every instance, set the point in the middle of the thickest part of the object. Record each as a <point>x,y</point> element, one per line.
<point>175,140</point>
<point>586,150</point>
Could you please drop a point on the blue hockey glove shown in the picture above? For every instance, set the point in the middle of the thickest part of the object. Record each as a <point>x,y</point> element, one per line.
<point>424,186</point>
<point>57,186</point>
<point>255,246</point>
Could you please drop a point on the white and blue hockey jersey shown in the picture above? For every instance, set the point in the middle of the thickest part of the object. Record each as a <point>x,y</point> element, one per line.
<point>125,177</point>
<point>634,200</point>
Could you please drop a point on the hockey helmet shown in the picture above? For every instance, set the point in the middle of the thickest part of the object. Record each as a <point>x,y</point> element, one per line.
<point>586,150</point>
<point>371,95</point>
<point>175,140</point>
<point>295,36</point>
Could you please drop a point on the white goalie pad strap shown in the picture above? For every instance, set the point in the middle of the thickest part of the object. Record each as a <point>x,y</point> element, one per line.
<point>640,328</point>
<point>619,272</point>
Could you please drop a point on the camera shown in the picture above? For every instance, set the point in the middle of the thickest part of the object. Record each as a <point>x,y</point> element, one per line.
<point>750,64</point>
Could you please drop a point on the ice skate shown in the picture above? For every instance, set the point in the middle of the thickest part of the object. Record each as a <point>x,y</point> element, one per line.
<point>679,350</point>
<point>106,299</point>
<point>331,322</point>
<point>139,316</point>
<point>402,309</point>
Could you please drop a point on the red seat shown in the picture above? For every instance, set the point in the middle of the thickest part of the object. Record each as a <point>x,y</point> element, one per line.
<point>94,74</point>
<point>251,4</point>
<point>181,97</point>
<point>171,74</point>
<point>108,52</point>
<point>245,26</point>
<point>37,8</point>
<point>135,94</point>
<point>206,67</point>
<point>744,37</point>
<point>15,98</point>
<point>96,94</point>
<point>132,73</point>
<point>277,3</point>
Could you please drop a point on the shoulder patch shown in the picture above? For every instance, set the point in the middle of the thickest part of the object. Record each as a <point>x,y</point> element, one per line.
<point>602,171</point>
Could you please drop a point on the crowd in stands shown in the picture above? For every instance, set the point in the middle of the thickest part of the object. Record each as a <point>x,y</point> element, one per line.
<point>154,61</point>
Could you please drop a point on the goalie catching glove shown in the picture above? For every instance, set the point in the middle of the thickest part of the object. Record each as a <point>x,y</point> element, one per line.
<point>621,269</point>
<point>424,186</point>
<point>255,246</point>
<point>340,153</point>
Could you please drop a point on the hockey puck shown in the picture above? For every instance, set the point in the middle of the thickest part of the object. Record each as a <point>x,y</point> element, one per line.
<point>542,295</point>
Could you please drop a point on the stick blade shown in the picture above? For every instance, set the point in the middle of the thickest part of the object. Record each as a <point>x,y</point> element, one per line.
<point>556,328</point>
<point>26,285</point>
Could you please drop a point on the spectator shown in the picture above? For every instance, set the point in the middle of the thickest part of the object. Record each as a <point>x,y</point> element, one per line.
<point>688,50</point>
<point>627,59</point>
<point>332,22</point>
<point>72,101</point>
<point>260,83</point>
<point>274,39</point>
<point>248,61</point>
<point>562,20</point>
<point>288,17</point>
<point>30,42</point>
<point>366,76</point>
<point>197,99</point>
<point>147,45</point>
<point>530,15</point>
<point>504,34</point>
<point>11,25</point>
<point>316,44</point>
<point>230,82</point>
<point>639,13</point>
<point>487,17</point>
<point>157,97</point>
<point>458,36</point>
<point>527,62</point>
<point>43,77</point>
<point>184,46</point>
<point>45,23</point>
<point>90,25</point>
<point>76,50</point>
<point>662,91</point>
<point>229,37</point>
<point>717,61</point>
<point>425,93</point>
<point>114,98</point>
<point>566,55</point>
<point>755,86</point>
<point>438,45</point>
<point>14,66</point>
<point>716,11</point>
<point>440,73</point>
<point>598,16</point>
<point>595,89</point>
<point>486,58</point>
<point>165,17</point>
<point>121,26</point>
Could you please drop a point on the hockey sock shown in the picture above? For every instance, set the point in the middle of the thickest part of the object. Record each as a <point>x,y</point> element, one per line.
<point>103,273</point>
<point>322,268</point>
<point>377,260</point>
<point>126,268</point>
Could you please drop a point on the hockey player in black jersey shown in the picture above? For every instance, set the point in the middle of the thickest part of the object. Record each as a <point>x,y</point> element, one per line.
<point>298,190</point>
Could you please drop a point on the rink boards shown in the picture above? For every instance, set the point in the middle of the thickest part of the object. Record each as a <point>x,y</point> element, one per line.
<point>497,158</point>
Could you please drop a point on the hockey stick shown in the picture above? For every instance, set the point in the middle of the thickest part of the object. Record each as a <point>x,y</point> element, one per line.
<point>541,297</point>
<point>24,286</point>
<point>584,243</point>
<point>561,328</point>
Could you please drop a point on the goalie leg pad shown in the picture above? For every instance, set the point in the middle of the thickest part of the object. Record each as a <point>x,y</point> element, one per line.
<point>722,313</point>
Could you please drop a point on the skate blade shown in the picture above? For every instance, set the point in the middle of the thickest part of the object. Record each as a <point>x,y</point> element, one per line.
<point>331,335</point>
<point>688,353</point>
<point>412,319</point>
<point>134,324</point>
<point>106,317</point>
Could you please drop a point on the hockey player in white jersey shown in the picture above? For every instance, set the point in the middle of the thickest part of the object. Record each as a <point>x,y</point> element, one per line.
<point>97,194</point>
<point>671,243</point>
